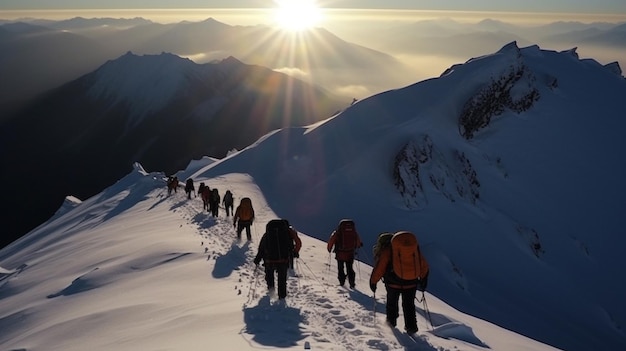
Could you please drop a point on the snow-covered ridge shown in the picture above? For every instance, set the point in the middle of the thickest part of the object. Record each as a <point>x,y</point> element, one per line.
<point>512,89</point>
<point>520,198</point>
<point>145,83</point>
<point>514,222</point>
<point>185,279</point>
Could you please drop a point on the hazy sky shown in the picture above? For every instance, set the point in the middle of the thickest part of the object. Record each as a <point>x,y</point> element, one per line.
<point>595,6</point>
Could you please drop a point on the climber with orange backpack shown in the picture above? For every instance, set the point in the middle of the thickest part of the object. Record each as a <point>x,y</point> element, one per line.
<point>243,217</point>
<point>404,270</point>
<point>345,241</point>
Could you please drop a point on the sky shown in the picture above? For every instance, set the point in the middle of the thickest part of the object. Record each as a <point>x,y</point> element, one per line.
<point>509,221</point>
<point>556,9</point>
<point>599,6</point>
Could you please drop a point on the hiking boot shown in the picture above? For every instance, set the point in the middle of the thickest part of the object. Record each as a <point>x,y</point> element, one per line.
<point>351,286</point>
<point>391,323</point>
<point>411,330</point>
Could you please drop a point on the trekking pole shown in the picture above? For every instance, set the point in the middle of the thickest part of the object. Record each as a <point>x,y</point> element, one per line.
<point>314,276</point>
<point>252,290</point>
<point>423,300</point>
<point>358,265</point>
<point>329,262</point>
<point>329,270</point>
<point>374,309</point>
<point>297,269</point>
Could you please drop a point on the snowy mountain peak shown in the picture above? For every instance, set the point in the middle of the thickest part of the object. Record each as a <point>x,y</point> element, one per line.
<point>510,48</point>
<point>614,67</point>
<point>230,63</point>
<point>143,83</point>
<point>496,165</point>
<point>573,52</point>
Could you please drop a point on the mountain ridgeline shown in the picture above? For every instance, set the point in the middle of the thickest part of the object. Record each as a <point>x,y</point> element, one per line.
<point>160,110</point>
<point>507,167</point>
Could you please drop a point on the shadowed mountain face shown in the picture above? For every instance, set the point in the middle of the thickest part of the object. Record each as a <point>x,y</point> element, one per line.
<point>160,110</point>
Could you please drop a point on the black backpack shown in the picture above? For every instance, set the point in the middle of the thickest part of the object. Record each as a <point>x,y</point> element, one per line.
<point>189,186</point>
<point>228,197</point>
<point>278,242</point>
<point>215,195</point>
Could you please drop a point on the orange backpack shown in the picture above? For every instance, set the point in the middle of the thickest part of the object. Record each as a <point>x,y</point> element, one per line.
<point>406,259</point>
<point>246,213</point>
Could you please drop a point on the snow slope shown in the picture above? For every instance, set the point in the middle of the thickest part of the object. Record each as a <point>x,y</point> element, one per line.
<point>506,167</point>
<point>135,269</point>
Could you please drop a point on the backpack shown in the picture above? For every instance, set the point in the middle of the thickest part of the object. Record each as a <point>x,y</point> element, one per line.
<point>346,236</point>
<point>278,242</point>
<point>206,193</point>
<point>228,197</point>
<point>406,259</point>
<point>384,240</point>
<point>215,195</point>
<point>246,213</point>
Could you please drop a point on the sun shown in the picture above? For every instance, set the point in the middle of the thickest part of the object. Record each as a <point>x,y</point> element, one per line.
<point>297,15</point>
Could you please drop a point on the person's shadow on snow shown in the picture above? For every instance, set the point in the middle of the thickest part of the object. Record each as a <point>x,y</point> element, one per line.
<point>273,323</point>
<point>232,260</point>
<point>367,301</point>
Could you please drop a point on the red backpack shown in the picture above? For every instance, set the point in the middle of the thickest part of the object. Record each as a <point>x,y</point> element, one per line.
<point>347,237</point>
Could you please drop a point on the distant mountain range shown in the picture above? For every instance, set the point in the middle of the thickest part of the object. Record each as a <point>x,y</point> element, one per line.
<point>85,108</point>
<point>40,55</point>
<point>449,37</point>
<point>160,110</point>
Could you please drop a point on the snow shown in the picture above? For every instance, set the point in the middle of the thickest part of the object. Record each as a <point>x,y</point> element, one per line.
<point>147,83</point>
<point>133,268</point>
<point>536,256</point>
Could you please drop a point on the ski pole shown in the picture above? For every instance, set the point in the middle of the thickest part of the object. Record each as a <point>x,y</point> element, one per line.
<point>329,259</point>
<point>374,309</point>
<point>298,268</point>
<point>313,274</point>
<point>358,265</point>
<point>423,300</point>
<point>252,290</point>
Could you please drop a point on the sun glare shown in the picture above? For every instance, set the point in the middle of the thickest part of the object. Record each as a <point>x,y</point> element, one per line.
<point>296,15</point>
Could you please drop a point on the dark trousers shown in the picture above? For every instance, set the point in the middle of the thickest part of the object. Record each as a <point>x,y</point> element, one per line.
<point>214,208</point>
<point>408,306</point>
<point>341,272</point>
<point>229,209</point>
<point>241,225</point>
<point>281,272</point>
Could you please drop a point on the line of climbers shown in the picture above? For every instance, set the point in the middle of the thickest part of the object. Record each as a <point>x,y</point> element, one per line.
<point>398,260</point>
<point>243,216</point>
<point>210,197</point>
